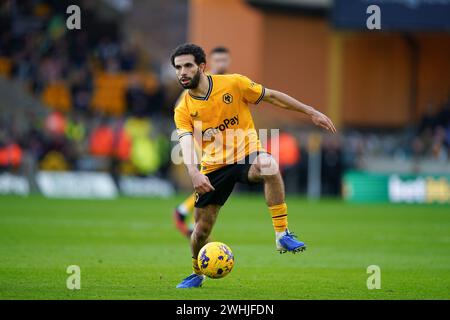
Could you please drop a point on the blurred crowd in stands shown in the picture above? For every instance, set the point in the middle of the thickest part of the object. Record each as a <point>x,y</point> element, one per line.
<point>433,135</point>
<point>109,111</point>
<point>105,100</point>
<point>428,139</point>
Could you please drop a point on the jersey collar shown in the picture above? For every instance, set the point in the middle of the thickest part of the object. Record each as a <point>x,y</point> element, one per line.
<point>208,93</point>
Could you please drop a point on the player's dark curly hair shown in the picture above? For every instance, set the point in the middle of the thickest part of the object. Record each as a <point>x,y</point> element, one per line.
<point>189,48</point>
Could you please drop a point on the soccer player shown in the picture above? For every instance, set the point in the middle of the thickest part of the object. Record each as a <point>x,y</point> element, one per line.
<point>219,61</point>
<point>215,107</point>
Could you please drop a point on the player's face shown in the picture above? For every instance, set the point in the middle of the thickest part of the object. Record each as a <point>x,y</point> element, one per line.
<point>219,62</point>
<point>188,72</point>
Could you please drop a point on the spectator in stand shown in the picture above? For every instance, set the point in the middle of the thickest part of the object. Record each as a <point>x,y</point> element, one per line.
<point>78,49</point>
<point>107,50</point>
<point>81,89</point>
<point>10,153</point>
<point>136,97</point>
<point>428,120</point>
<point>332,166</point>
<point>128,58</point>
<point>443,117</point>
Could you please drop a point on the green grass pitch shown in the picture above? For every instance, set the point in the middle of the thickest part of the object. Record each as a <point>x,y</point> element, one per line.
<point>129,249</point>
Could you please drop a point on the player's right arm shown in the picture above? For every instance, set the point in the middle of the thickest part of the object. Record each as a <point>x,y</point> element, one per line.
<point>200,181</point>
<point>185,132</point>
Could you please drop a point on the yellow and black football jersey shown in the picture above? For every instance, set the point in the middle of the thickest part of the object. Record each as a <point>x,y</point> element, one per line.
<point>221,122</point>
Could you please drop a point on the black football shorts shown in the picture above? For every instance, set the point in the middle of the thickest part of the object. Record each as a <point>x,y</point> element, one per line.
<point>223,181</point>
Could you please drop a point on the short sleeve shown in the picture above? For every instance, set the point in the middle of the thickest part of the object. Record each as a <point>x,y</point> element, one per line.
<point>252,92</point>
<point>183,121</point>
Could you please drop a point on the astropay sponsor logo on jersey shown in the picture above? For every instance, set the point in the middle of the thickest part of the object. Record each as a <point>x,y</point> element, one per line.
<point>209,132</point>
<point>235,142</point>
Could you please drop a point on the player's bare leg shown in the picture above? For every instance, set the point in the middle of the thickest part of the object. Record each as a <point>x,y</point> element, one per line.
<point>265,169</point>
<point>205,219</point>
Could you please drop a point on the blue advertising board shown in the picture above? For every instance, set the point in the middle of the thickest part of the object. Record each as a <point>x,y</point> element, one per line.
<point>395,15</point>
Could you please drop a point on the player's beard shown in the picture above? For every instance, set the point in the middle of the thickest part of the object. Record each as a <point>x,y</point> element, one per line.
<point>193,84</point>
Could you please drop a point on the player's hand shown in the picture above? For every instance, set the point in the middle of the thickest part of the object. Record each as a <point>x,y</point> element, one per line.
<point>321,120</point>
<point>201,183</point>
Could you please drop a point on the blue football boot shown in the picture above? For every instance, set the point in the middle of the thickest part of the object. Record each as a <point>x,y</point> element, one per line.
<point>287,242</point>
<point>192,281</point>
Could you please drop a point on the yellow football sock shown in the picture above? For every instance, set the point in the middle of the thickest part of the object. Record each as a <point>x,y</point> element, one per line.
<point>279,217</point>
<point>195,266</point>
<point>189,203</point>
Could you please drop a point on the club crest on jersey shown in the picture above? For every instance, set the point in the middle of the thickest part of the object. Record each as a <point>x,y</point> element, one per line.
<point>227,98</point>
<point>194,115</point>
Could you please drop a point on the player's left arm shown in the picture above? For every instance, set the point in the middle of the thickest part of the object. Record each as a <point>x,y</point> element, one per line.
<point>285,101</point>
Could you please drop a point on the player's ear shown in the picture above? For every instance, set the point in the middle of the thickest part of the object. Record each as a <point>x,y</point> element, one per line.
<point>202,67</point>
